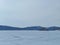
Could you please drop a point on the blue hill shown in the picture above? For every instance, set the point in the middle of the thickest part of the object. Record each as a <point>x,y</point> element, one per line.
<point>8,28</point>
<point>2,27</point>
<point>40,28</point>
<point>53,28</point>
<point>35,28</point>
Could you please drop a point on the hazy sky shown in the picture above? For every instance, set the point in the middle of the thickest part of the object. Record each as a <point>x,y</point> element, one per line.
<point>30,12</point>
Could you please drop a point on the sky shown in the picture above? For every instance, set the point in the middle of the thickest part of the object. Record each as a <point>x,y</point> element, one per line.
<point>21,13</point>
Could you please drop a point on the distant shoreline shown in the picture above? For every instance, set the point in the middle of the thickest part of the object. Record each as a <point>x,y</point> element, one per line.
<point>38,28</point>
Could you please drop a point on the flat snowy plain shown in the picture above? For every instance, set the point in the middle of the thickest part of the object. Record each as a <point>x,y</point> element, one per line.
<point>29,37</point>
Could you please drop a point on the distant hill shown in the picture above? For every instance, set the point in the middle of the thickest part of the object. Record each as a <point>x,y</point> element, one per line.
<point>35,28</point>
<point>2,27</point>
<point>53,28</point>
<point>40,28</point>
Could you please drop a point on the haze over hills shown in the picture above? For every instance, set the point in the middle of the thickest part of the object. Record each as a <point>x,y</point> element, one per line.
<point>3,27</point>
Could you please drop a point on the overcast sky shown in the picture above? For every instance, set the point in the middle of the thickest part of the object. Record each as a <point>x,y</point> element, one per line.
<point>30,12</point>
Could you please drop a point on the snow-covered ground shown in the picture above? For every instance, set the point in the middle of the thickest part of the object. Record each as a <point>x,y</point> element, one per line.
<point>29,37</point>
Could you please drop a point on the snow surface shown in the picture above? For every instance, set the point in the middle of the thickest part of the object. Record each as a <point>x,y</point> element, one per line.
<point>29,37</point>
